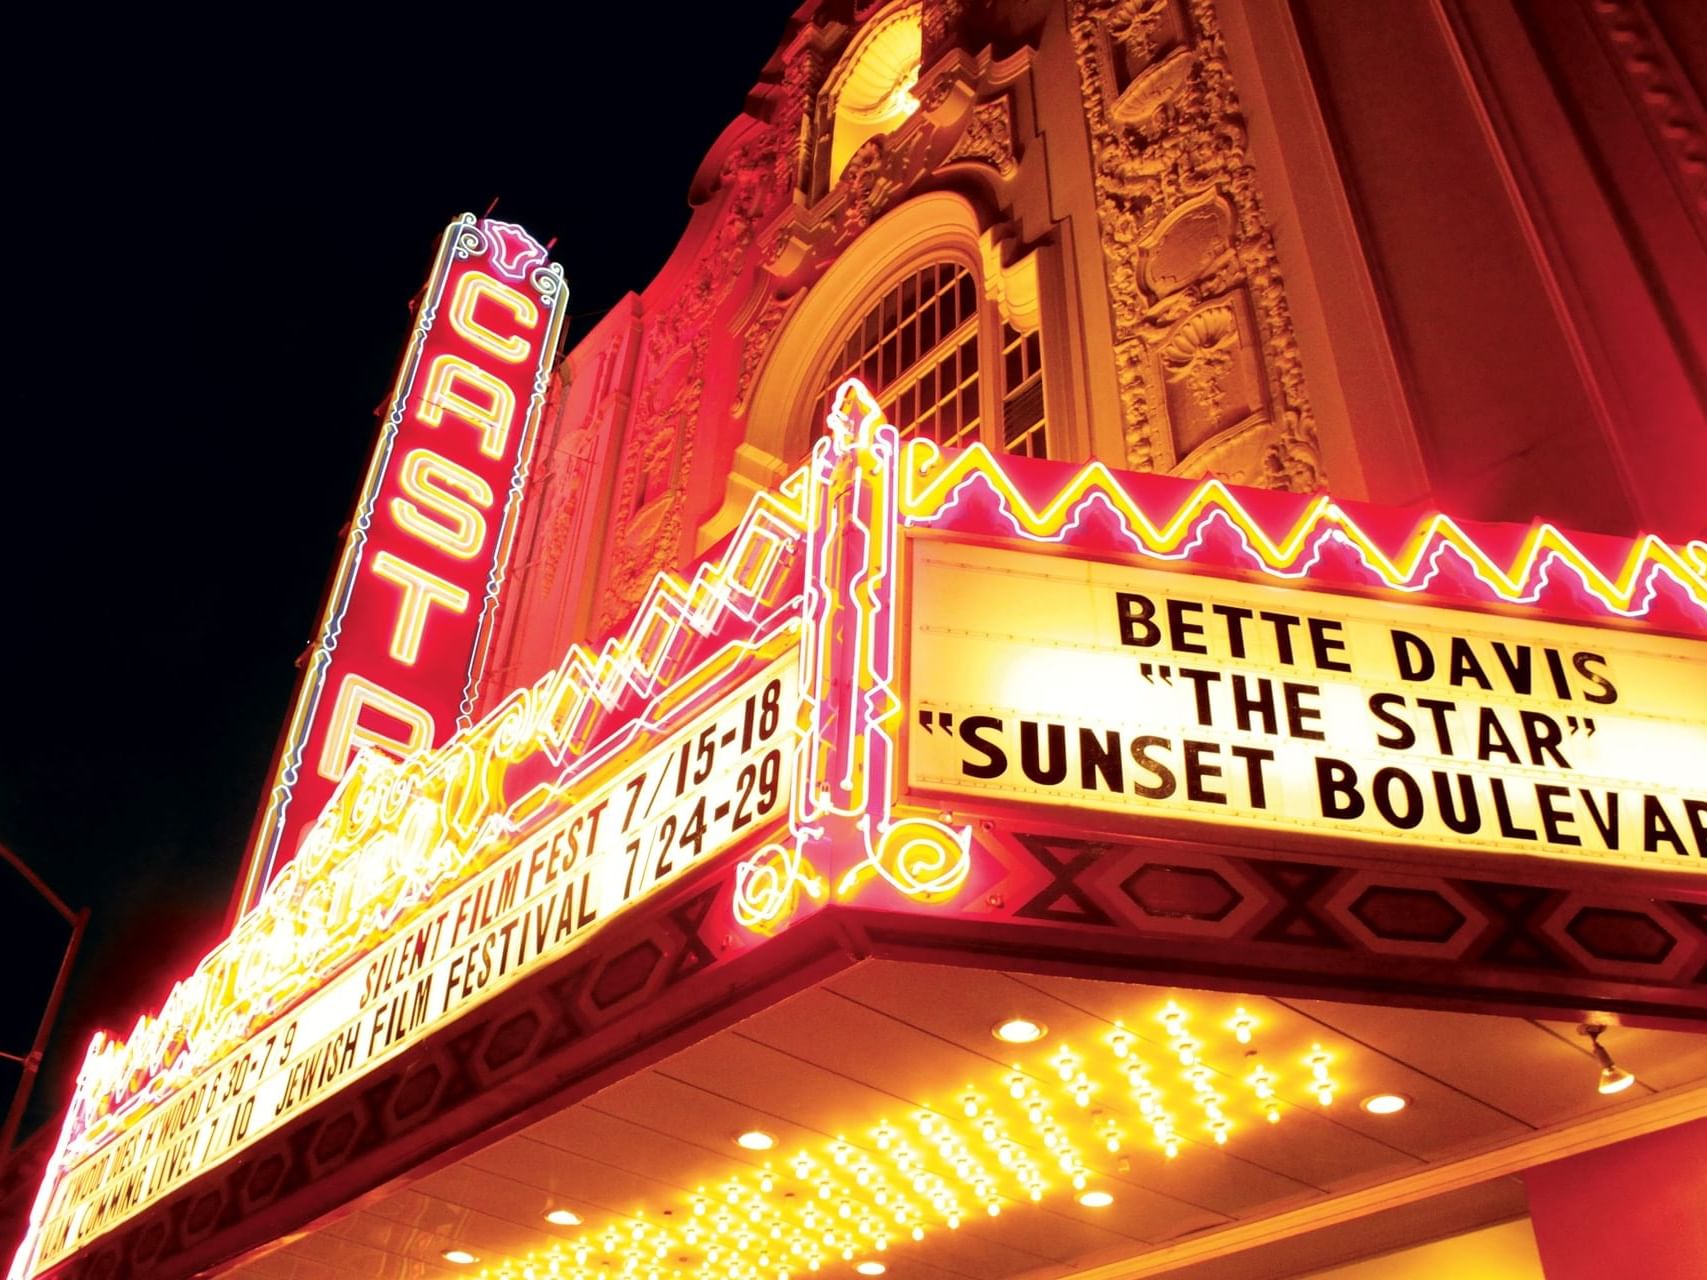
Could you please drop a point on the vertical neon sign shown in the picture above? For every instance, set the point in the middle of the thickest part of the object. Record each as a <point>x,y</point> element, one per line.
<point>406,620</point>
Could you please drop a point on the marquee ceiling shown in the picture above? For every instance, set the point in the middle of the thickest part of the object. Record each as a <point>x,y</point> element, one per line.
<point>886,1043</point>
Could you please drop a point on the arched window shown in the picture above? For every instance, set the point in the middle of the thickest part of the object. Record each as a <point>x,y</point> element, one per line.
<point>920,349</point>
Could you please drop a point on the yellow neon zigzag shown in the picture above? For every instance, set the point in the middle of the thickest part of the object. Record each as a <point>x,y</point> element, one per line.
<point>929,485</point>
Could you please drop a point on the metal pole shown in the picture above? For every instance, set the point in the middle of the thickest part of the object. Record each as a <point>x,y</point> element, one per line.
<point>32,1060</point>
<point>36,883</point>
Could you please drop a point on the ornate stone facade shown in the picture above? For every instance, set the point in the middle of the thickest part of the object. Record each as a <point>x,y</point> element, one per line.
<point>649,508</point>
<point>1669,108</point>
<point>1206,365</point>
<point>1209,370</point>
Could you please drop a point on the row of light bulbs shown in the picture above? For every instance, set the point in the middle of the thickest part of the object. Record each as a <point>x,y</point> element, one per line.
<point>1012,1142</point>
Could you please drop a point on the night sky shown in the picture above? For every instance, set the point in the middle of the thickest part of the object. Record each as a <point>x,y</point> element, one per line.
<point>217,254</point>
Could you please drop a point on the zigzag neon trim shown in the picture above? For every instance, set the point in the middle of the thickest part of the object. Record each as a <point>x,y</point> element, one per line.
<point>933,484</point>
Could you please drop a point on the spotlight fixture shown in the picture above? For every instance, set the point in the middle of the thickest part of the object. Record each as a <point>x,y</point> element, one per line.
<point>870,1267</point>
<point>1385,1104</point>
<point>1095,1199</point>
<point>563,1218</point>
<point>755,1140</point>
<point>1019,1031</point>
<point>1613,1078</point>
<point>461,1257</point>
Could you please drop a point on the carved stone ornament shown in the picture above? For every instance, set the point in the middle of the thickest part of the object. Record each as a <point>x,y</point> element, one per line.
<point>988,138</point>
<point>1208,367</point>
<point>1671,112</point>
<point>755,342</point>
<point>648,510</point>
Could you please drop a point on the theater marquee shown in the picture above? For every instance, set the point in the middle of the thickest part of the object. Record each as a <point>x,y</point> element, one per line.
<point>901,667</point>
<point>1150,694</point>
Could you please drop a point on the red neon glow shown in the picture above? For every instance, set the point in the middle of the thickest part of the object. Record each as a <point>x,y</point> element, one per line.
<point>394,664</point>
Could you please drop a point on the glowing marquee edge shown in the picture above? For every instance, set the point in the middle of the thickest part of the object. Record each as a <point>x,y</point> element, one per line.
<point>860,487</point>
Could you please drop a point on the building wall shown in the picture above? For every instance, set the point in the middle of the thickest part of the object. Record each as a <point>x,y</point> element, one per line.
<point>1455,256</point>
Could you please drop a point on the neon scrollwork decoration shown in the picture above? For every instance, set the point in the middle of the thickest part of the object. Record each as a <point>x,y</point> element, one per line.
<point>925,860</point>
<point>851,713</point>
<point>768,886</point>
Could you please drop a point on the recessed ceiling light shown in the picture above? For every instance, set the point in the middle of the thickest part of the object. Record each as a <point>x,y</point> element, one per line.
<point>755,1140</point>
<point>462,1257</point>
<point>1019,1031</point>
<point>1385,1104</point>
<point>870,1268</point>
<point>1095,1199</point>
<point>563,1218</point>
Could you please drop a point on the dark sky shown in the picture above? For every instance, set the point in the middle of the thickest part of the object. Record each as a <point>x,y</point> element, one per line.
<point>211,263</point>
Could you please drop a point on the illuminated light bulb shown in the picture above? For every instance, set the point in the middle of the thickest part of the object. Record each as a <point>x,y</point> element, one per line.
<point>926,1125</point>
<point>1016,1087</point>
<point>954,1222</point>
<point>1096,1199</point>
<point>1187,1049</point>
<point>845,1209</point>
<point>1242,1025</point>
<point>969,1104</point>
<point>1036,1192</point>
<point>1066,1064</point>
<point>884,1136</point>
<point>1034,1113</point>
<point>1079,1181</point>
<point>1112,1142</point>
<point>755,1140</point>
<point>1121,1043</point>
<point>1273,1114</point>
<point>1171,1146</point>
<point>563,1218</point>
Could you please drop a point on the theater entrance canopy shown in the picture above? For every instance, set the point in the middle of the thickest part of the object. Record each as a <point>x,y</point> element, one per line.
<point>1253,808</point>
